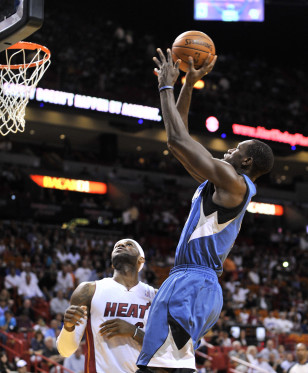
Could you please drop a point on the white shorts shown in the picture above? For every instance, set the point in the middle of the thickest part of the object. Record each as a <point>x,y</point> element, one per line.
<point>169,356</point>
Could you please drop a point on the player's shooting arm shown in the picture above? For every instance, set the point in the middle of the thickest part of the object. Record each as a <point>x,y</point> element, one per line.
<point>75,319</point>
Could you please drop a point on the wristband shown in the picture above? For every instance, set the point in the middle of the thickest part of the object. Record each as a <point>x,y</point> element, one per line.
<point>166,87</point>
<point>136,331</point>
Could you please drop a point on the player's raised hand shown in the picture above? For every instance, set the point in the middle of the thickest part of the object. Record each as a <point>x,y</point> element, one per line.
<point>75,315</point>
<point>167,71</point>
<point>193,75</point>
<point>118,327</point>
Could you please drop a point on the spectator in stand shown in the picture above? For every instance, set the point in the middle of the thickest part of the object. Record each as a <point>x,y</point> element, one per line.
<point>22,366</point>
<point>242,338</point>
<point>270,322</point>
<point>239,353</point>
<point>48,281</point>
<point>26,310</point>
<point>263,364</point>
<point>27,271</point>
<point>269,349</point>
<point>54,329</point>
<point>12,280</point>
<point>29,288</point>
<point>251,356</point>
<point>83,273</point>
<point>52,353</point>
<point>239,296</point>
<point>58,304</point>
<point>251,301</point>
<point>286,363</point>
<point>263,301</point>
<point>3,306</point>
<point>64,281</point>
<point>41,325</point>
<point>37,346</point>
<point>73,256</point>
<point>273,361</point>
<point>5,365</point>
<point>254,317</point>
<point>301,366</point>
<point>76,361</point>
<point>61,253</point>
<point>284,325</point>
<point>224,339</point>
<point>8,322</point>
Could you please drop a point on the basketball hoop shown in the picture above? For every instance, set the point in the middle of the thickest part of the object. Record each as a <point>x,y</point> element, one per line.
<point>25,64</point>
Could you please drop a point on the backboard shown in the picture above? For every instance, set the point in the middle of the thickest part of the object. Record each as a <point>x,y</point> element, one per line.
<point>18,20</point>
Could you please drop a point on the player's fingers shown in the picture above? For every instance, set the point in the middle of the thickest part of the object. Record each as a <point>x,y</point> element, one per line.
<point>177,64</point>
<point>161,55</point>
<point>169,57</point>
<point>156,60</point>
<point>78,309</point>
<point>108,322</point>
<point>107,330</point>
<point>190,63</point>
<point>208,59</point>
<point>77,314</point>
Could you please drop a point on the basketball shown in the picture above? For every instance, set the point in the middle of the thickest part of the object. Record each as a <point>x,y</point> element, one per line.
<point>196,44</point>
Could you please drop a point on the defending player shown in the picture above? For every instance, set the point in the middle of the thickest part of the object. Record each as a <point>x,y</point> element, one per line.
<point>189,302</point>
<point>112,312</point>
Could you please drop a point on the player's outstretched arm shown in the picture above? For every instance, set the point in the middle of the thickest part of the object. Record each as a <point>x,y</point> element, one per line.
<point>198,161</point>
<point>75,319</point>
<point>191,78</point>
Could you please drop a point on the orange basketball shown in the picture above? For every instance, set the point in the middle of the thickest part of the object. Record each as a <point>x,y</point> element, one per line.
<point>196,44</point>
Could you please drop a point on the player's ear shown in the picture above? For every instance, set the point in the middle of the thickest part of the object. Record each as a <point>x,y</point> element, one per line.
<point>247,162</point>
<point>141,260</point>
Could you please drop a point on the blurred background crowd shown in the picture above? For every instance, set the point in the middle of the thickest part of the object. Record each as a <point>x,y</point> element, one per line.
<point>51,240</point>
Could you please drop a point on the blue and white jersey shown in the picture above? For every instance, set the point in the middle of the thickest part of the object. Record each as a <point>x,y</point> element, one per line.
<point>210,230</point>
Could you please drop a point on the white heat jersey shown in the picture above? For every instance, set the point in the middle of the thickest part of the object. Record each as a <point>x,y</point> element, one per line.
<point>112,300</point>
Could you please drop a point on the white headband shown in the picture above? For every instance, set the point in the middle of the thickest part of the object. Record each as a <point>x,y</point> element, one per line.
<point>141,252</point>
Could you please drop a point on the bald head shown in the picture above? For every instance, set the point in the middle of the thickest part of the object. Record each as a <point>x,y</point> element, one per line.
<point>301,353</point>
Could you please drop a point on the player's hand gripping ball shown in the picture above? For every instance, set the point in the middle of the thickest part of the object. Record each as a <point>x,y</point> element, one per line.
<point>196,44</point>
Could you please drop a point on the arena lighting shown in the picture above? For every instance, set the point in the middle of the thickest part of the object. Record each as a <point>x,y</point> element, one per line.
<point>86,102</point>
<point>272,134</point>
<point>73,185</point>
<point>212,124</point>
<point>265,208</point>
<point>198,85</point>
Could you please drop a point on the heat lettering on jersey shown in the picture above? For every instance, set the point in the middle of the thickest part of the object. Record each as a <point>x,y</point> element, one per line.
<point>124,310</point>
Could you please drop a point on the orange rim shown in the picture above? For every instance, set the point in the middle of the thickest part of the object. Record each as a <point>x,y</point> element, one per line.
<point>28,46</point>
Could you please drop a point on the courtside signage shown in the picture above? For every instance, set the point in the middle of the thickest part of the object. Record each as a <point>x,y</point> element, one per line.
<point>265,208</point>
<point>73,185</point>
<point>272,134</point>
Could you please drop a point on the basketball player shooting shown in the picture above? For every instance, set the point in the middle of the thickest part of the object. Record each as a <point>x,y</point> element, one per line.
<point>189,302</point>
<point>112,312</point>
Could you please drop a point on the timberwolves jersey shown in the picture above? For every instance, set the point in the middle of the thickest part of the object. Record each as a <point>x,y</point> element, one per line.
<point>210,230</point>
<point>112,300</point>
<point>189,301</point>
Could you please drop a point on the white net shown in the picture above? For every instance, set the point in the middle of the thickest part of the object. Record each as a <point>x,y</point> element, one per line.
<point>17,85</point>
